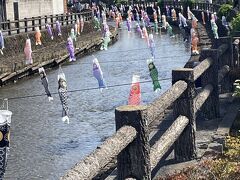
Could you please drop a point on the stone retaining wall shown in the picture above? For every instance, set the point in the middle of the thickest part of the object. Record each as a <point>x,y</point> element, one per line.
<point>14,48</point>
<point>51,53</point>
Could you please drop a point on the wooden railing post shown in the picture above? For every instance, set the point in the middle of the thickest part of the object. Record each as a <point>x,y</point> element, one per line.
<point>88,16</point>
<point>51,19</point>
<point>134,160</point>
<point>33,24</point>
<point>62,19</point>
<point>75,16</point>
<point>227,59</point>
<point>210,76</point>
<point>26,24</point>
<point>46,20</point>
<point>18,26</point>
<point>40,22</point>
<point>71,16</point>
<point>9,28</point>
<point>185,146</point>
<point>67,19</point>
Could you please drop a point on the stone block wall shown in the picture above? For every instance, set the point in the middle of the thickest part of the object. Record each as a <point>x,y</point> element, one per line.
<point>14,57</point>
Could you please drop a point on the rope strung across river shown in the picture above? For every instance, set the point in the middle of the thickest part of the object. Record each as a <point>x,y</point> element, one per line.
<point>80,90</point>
<point>137,49</point>
<point>132,60</point>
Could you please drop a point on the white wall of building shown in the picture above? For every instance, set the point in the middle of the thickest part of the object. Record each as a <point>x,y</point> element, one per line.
<point>32,8</point>
<point>58,6</point>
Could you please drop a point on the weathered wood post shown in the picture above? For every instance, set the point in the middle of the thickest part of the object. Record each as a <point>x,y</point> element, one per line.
<point>134,160</point>
<point>88,16</point>
<point>62,19</point>
<point>33,24</point>
<point>226,59</point>
<point>26,24</point>
<point>56,18</point>
<point>18,26</point>
<point>67,17</point>
<point>210,76</point>
<point>185,146</point>
<point>40,22</point>
<point>51,19</point>
<point>46,20</point>
<point>71,17</point>
<point>9,28</point>
<point>75,16</point>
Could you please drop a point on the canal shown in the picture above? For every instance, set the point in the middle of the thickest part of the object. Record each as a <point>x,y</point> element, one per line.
<point>42,146</point>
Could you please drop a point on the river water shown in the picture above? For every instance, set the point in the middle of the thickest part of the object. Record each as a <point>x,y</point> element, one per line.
<point>42,146</point>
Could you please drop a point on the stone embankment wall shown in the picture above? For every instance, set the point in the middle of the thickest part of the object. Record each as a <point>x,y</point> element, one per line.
<point>50,53</point>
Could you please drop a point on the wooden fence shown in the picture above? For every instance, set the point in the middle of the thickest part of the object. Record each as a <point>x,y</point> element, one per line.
<point>180,4</point>
<point>29,24</point>
<point>131,141</point>
<point>135,158</point>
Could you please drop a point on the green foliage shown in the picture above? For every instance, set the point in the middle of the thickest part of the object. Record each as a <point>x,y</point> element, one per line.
<point>119,2</point>
<point>225,11</point>
<point>236,23</point>
<point>233,148</point>
<point>160,3</point>
<point>224,167</point>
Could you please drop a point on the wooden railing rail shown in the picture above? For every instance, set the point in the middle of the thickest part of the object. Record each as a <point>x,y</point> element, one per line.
<point>160,148</point>
<point>156,108</point>
<point>93,163</point>
<point>202,96</point>
<point>41,21</point>
<point>202,67</point>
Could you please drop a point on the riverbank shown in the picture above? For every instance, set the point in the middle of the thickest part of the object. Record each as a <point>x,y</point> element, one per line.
<point>50,54</point>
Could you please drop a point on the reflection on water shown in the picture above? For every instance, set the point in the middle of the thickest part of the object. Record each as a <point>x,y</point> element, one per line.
<point>42,146</point>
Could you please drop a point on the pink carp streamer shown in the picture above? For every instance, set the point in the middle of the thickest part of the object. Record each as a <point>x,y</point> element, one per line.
<point>135,92</point>
<point>28,52</point>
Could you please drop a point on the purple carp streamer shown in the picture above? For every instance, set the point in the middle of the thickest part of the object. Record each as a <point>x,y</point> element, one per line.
<point>97,73</point>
